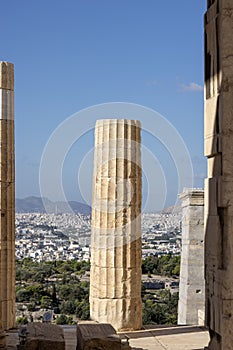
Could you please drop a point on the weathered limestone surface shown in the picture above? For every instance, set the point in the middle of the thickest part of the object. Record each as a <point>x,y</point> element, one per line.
<point>115,286</point>
<point>97,336</point>
<point>219,184</point>
<point>192,285</point>
<point>43,336</point>
<point>6,76</point>
<point>7,197</point>
<point>3,345</point>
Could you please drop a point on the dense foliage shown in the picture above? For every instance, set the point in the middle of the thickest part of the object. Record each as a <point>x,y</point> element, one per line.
<point>161,309</point>
<point>167,265</point>
<point>60,286</point>
<point>53,285</point>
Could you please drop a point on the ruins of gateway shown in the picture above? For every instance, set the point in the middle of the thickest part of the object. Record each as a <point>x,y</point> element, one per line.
<point>110,262</point>
<point>115,281</point>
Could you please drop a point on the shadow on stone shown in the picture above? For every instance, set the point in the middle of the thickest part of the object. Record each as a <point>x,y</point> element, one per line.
<point>163,330</point>
<point>43,336</point>
<point>99,336</point>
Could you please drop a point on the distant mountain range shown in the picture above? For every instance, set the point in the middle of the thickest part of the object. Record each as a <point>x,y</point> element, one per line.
<point>37,205</point>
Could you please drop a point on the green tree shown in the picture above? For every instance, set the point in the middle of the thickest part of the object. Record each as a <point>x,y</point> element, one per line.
<point>63,319</point>
<point>21,320</point>
<point>82,310</point>
<point>68,307</point>
<point>46,302</point>
<point>31,306</point>
<point>161,311</point>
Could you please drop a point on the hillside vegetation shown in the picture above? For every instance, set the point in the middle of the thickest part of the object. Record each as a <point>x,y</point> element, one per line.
<point>63,286</point>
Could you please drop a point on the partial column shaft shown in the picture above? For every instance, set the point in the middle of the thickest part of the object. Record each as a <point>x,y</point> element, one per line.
<point>7,196</point>
<point>115,291</point>
<point>191,306</point>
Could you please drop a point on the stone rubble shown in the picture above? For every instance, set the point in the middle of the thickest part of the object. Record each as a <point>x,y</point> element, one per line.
<point>43,336</point>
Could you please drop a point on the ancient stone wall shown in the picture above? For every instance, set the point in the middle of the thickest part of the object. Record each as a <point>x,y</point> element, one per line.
<point>115,286</point>
<point>219,184</point>
<point>7,196</point>
<point>192,285</point>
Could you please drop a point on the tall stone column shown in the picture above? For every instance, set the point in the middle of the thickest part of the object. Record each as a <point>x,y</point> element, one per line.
<point>7,196</point>
<point>219,184</point>
<point>191,306</point>
<point>115,285</point>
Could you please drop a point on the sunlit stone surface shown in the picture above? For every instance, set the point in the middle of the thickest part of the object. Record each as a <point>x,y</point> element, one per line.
<point>191,304</point>
<point>7,197</point>
<point>219,184</point>
<point>115,286</point>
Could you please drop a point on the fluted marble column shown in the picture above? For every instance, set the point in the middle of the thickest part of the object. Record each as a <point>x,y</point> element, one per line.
<point>7,196</point>
<point>115,288</point>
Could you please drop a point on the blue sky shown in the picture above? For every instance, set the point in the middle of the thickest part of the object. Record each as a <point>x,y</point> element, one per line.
<point>70,55</point>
